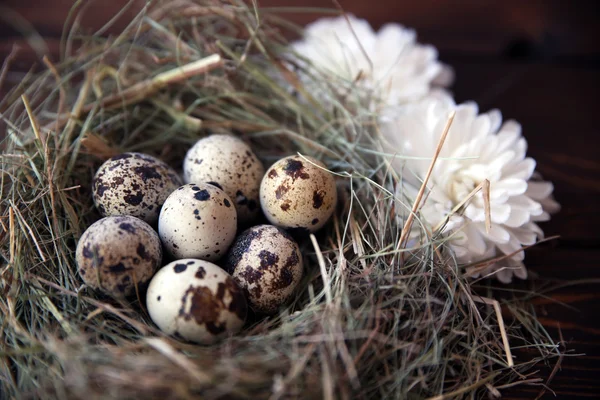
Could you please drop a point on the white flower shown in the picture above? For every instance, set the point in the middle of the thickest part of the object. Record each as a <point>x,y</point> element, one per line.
<point>389,64</point>
<point>478,147</point>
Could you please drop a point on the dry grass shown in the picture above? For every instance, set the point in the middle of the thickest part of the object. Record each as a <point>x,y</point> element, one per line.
<point>371,319</point>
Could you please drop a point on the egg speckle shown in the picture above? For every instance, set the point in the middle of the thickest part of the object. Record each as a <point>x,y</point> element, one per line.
<point>197,221</point>
<point>297,195</point>
<point>133,184</point>
<point>266,262</point>
<point>196,300</point>
<point>116,254</point>
<point>228,163</point>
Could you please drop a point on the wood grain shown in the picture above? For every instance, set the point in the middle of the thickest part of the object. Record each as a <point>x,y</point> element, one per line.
<point>535,60</point>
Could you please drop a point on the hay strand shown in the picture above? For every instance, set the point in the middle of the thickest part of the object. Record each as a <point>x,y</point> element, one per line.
<point>417,202</point>
<point>498,311</point>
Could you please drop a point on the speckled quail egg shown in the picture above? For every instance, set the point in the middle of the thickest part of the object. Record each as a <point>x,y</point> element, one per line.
<point>230,164</point>
<point>297,195</point>
<point>116,254</point>
<point>266,262</point>
<point>196,300</point>
<point>133,184</point>
<point>197,221</point>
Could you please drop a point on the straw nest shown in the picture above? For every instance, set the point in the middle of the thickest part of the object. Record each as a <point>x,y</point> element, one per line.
<point>370,320</point>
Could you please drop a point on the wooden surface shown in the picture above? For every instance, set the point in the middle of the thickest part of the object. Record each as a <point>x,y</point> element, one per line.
<point>537,61</point>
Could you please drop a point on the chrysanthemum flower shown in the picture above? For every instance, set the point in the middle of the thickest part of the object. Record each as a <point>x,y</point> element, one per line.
<point>389,64</point>
<point>478,147</point>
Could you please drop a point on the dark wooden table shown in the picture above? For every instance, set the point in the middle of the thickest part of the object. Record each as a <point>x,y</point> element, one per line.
<point>538,62</point>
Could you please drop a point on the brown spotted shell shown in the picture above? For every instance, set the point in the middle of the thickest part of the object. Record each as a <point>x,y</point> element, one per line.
<point>196,300</point>
<point>198,221</point>
<point>133,184</point>
<point>297,195</point>
<point>230,164</point>
<point>266,262</point>
<point>116,254</point>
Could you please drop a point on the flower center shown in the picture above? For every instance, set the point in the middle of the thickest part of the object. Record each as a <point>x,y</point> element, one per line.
<point>459,186</point>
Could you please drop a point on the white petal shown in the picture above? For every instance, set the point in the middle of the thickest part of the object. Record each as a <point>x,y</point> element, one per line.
<point>526,203</point>
<point>460,131</point>
<point>520,272</point>
<point>498,196</point>
<point>550,205</point>
<point>500,213</point>
<point>461,253</point>
<point>445,77</point>
<point>497,233</point>
<point>511,126</point>
<point>539,190</point>
<point>477,244</point>
<point>512,186</point>
<point>524,235</point>
<point>501,160</point>
<point>504,275</point>
<point>520,170</point>
<point>482,125</point>
<point>393,38</point>
<point>495,119</point>
<point>511,247</point>
<point>517,218</point>
<point>475,213</point>
<point>544,216</point>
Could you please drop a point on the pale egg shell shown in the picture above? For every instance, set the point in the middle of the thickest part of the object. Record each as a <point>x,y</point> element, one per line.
<point>266,262</point>
<point>116,254</point>
<point>133,184</point>
<point>297,195</point>
<point>228,162</point>
<point>197,221</point>
<point>196,300</point>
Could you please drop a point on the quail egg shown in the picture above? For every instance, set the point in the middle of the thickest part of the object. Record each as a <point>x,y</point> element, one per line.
<point>196,300</point>
<point>197,221</point>
<point>266,262</point>
<point>133,184</point>
<point>297,195</point>
<point>117,254</point>
<point>229,163</point>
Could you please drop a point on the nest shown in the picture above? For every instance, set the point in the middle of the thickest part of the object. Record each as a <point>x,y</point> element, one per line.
<point>371,319</point>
